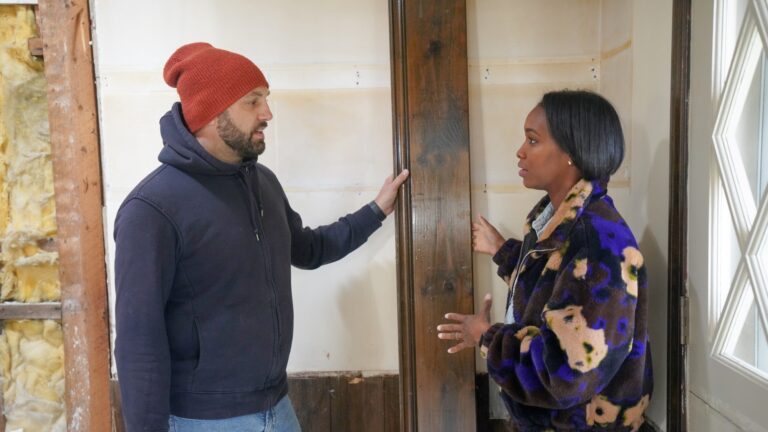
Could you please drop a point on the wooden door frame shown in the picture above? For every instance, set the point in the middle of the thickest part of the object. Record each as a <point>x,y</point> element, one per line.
<point>677,271</point>
<point>430,106</point>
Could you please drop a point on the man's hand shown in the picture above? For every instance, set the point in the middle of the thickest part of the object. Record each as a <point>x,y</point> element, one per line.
<point>388,193</point>
<point>485,237</point>
<point>470,328</point>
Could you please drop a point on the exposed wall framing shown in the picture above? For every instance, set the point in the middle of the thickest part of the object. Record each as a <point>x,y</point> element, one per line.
<point>66,34</point>
<point>31,342</point>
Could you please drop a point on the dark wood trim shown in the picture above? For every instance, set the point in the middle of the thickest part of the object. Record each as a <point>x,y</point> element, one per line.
<point>66,32</point>
<point>434,263</point>
<point>403,212</point>
<point>678,223</point>
<point>20,311</point>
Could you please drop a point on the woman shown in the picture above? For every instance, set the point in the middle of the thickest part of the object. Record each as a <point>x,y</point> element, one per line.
<point>573,352</point>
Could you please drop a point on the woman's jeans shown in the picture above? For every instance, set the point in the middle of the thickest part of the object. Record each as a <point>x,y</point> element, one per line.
<point>280,418</point>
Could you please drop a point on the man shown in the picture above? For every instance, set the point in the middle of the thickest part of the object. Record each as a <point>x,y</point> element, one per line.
<point>204,249</point>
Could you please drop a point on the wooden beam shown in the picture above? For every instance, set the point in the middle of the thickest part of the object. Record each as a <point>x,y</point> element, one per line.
<point>431,138</point>
<point>19,311</point>
<point>677,273</point>
<point>66,32</point>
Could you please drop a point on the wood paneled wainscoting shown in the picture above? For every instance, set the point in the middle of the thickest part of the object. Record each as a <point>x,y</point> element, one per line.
<point>351,402</point>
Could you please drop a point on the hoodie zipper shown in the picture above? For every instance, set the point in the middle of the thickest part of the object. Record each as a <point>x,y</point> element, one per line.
<point>267,266</point>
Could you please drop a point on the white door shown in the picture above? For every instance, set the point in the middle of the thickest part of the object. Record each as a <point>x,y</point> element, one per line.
<point>728,216</point>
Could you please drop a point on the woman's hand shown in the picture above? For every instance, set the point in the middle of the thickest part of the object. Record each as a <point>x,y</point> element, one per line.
<point>485,237</point>
<point>470,328</point>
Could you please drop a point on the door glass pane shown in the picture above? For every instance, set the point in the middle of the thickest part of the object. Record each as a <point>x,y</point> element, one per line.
<point>762,347</point>
<point>745,344</point>
<point>730,252</point>
<point>734,13</point>
<point>749,132</point>
<point>751,344</point>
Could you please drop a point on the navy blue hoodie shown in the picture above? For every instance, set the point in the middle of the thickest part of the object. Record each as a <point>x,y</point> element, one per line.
<point>203,275</point>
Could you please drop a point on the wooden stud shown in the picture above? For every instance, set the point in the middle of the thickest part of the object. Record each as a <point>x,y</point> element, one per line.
<point>20,311</point>
<point>66,33</point>
<point>431,137</point>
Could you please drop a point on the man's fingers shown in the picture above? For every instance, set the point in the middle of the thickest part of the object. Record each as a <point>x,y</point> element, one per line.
<point>400,178</point>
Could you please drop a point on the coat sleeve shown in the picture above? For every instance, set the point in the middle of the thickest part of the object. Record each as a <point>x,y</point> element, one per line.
<point>586,332</point>
<point>145,257</point>
<point>506,258</point>
<point>311,248</point>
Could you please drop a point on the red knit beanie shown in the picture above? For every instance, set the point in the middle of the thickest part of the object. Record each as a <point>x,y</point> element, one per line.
<point>209,80</point>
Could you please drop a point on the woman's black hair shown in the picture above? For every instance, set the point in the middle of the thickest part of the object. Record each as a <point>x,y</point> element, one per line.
<point>585,125</point>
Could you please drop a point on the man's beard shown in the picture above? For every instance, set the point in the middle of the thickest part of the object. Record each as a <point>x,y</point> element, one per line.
<point>239,141</point>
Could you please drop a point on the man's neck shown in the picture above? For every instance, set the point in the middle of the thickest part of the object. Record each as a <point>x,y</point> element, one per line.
<point>220,150</point>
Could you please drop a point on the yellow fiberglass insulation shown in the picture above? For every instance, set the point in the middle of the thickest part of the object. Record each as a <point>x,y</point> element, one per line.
<point>31,351</point>
<point>27,212</point>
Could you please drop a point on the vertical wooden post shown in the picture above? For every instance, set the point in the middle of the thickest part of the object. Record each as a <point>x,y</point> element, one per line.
<point>677,273</point>
<point>66,33</point>
<point>431,134</point>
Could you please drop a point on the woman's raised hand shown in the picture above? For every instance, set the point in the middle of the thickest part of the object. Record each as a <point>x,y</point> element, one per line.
<point>485,237</point>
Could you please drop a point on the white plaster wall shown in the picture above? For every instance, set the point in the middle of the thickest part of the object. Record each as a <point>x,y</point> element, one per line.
<point>329,141</point>
<point>514,58</point>
<point>647,207</point>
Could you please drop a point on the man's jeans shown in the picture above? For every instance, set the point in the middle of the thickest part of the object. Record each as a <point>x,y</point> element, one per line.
<point>281,418</point>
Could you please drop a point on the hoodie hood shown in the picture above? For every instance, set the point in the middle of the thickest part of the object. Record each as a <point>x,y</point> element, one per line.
<point>183,151</point>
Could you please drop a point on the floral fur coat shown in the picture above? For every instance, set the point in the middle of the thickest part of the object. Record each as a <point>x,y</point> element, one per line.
<point>576,357</point>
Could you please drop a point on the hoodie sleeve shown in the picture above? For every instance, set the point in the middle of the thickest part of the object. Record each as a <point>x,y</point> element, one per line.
<point>585,336</point>
<point>311,248</point>
<point>146,249</point>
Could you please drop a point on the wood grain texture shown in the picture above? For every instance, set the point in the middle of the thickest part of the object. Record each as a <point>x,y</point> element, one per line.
<point>345,402</point>
<point>66,33</point>
<point>431,128</point>
<point>677,272</point>
<point>19,311</point>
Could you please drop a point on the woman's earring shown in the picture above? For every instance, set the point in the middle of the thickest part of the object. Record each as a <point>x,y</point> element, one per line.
<point>569,162</point>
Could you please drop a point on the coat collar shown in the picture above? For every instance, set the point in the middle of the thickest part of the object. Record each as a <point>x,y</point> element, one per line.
<point>566,215</point>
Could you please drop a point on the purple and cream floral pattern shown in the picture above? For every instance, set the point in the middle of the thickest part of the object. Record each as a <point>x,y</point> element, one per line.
<point>577,356</point>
